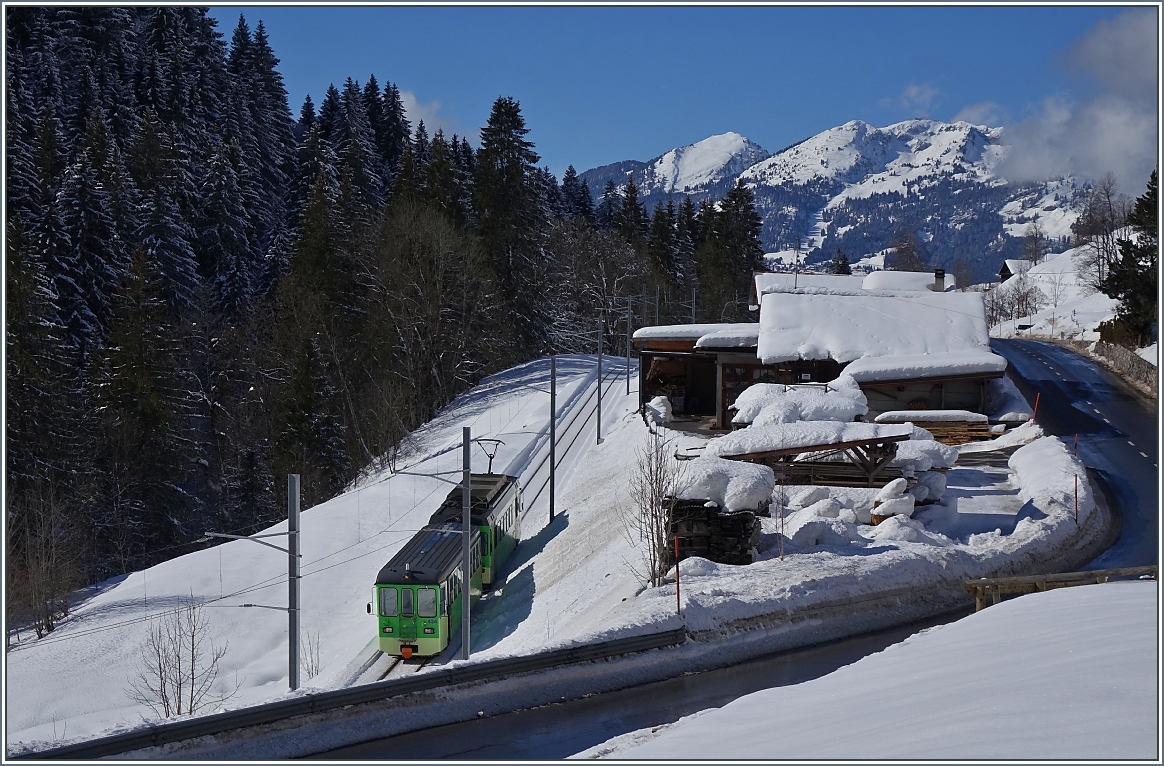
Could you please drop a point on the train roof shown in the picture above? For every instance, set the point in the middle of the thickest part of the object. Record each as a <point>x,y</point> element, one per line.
<point>486,490</point>
<point>428,558</point>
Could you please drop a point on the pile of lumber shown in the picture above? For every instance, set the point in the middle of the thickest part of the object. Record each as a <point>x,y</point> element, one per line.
<point>951,427</point>
<point>702,530</point>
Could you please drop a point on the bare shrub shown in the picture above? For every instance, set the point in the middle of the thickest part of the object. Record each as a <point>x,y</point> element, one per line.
<point>311,661</point>
<point>647,523</point>
<point>179,664</point>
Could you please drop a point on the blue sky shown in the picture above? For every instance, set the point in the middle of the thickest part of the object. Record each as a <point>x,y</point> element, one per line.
<point>598,85</point>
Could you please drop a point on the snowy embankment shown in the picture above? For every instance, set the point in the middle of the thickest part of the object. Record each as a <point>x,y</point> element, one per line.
<point>573,581</point>
<point>1066,675</point>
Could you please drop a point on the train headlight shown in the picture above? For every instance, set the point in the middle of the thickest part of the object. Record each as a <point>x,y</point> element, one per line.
<point>387,628</point>
<point>430,631</point>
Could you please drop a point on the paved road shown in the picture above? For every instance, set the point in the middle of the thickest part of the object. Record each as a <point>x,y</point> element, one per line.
<point>1118,436</point>
<point>557,731</point>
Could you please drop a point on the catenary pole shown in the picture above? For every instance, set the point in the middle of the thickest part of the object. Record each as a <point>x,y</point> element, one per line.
<point>598,424</point>
<point>628,343</point>
<point>466,541</point>
<point>553,427</point>
<point>293,602</point>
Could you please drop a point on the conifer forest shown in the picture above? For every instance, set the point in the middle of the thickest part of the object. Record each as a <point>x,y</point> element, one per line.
<point>207,291</point>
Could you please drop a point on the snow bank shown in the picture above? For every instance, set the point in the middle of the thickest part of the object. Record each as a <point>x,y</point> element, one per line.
<point>772,403</point>
<point>1004,403</point>
<point>1045,652</point>
<point>920,455</point>
<point>659,410</point>
<point>798,435</point>
<point>1149,354</point>
<point>730,484</point>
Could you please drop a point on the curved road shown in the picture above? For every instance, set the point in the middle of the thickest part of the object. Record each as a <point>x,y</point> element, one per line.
<point>1117,436</point>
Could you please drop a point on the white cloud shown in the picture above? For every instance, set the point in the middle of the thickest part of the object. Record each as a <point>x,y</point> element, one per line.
<point>919,99</point>
<point>429,112</point>
<point>985,113</point>
<point>1116,129</point>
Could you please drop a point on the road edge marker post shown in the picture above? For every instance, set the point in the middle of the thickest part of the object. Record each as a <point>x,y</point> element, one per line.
<point>1035,414</point>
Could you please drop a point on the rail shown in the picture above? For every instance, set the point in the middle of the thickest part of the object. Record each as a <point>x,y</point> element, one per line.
<point>217,723</point>
<point>997,586</point>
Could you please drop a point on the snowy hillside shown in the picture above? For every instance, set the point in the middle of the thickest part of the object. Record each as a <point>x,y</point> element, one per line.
<point>1067,307</point>
<point>572,582</point>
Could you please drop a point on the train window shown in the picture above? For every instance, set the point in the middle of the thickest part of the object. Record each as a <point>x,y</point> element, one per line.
<point>388,602</point>
<point>406,608</point>
<point>426,602</point>
<point>444,600</point>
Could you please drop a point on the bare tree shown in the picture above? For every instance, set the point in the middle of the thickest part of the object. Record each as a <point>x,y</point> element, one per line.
<point>647,524</point>
<point>179,664</point>
<point>41,561</point>
<point>1056,284</point>
<point>1101,223</point>
<point>1034,242</point>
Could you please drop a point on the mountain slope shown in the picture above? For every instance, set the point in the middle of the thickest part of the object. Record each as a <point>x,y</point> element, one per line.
<point>853,187</point>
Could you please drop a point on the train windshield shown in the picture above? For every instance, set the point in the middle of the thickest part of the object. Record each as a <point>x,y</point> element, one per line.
<point>426,602</point>
<point>406,609</point>
<point>388,602</point>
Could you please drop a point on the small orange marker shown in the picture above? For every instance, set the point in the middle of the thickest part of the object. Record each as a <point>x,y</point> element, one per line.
<point>406,652</point>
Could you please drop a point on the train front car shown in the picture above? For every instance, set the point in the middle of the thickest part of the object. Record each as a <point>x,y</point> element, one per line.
<point>418,593</point>
<point>495,509</point>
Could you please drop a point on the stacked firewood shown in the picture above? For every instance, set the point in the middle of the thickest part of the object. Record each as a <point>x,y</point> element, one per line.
<point>702,530</point>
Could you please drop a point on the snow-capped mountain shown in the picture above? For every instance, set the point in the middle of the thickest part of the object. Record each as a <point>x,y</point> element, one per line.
<point>701,164</point>
<point>690,169</point>
<point>853,187</point>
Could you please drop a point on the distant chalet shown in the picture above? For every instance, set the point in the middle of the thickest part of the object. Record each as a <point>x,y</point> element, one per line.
<point>909,340</point>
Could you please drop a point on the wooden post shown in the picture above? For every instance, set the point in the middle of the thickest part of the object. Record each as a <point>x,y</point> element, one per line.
<point>1076,499</point>
<point>677,609</point>
<point>1035,414</point>
<point>979,598</point>
<point>995,594</point>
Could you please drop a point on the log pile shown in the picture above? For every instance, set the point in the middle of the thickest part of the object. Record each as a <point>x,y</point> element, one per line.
<point>955,432</point>
<point>702,530</point>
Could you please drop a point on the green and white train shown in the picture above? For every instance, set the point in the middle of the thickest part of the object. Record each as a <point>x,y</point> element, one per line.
<point>418,593</point>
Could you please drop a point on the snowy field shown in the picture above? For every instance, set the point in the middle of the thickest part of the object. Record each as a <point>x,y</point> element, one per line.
<point>1064,675</point>
<point>571,582</point>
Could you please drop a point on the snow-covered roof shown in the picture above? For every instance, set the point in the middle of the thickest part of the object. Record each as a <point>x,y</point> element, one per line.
<point>804,434</point>
<point>735,335</point>
<point>911,281</point>
<point>910,366</point>
<point>742,335</point>
<point>910,416</point>
<point>930,334</point>
<point>1017,266</point>
<point>769,281</point>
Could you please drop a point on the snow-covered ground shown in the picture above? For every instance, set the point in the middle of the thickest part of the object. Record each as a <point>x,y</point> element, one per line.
<point>1065,675</point>
<point>572,582</point>
<point>1070,309</point>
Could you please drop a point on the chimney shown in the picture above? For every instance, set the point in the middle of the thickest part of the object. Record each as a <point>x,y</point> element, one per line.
<point>939,281</point>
